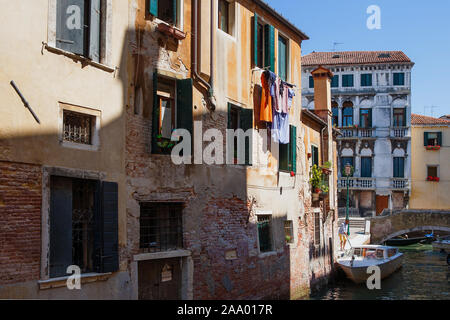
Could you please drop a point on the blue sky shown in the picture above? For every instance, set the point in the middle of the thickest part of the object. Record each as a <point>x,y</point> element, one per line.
<point>421,29</point>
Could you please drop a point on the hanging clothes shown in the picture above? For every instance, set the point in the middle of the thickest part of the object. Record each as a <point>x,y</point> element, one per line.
<point>266,99</point>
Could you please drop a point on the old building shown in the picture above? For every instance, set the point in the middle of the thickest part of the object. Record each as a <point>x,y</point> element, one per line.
<point>88,177</point>
<point>430,165</point>
<point>371,104</point>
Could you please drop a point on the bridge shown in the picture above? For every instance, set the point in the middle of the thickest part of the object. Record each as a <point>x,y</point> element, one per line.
<point>383,228</point>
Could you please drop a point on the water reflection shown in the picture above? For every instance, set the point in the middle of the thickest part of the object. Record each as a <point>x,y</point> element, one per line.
<point>424,275</point>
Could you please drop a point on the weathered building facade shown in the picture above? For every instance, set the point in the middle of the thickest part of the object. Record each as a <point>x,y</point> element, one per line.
<point>94,184</point>
<point>371,104</point>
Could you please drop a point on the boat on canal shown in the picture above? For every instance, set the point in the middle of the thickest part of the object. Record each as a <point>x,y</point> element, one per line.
<point>356,261</point>
<point>404,240</point>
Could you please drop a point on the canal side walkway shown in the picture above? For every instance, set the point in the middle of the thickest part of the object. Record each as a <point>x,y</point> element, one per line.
<point>359,233</point>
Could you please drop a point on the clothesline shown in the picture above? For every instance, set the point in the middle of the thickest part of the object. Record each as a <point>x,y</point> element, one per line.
<point>267,68</point>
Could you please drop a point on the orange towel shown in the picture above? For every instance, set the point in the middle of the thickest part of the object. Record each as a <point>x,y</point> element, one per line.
<point>266,101</point>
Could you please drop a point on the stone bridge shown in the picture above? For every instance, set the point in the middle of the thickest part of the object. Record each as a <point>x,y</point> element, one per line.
<point>383,228</point>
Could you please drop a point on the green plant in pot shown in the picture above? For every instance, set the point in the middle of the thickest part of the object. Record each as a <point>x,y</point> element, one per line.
<point>164,143</point>
<point>316,181</point>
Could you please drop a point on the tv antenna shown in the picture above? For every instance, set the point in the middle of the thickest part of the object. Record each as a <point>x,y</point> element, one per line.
<point>335,44</point>
<point>431,108</point>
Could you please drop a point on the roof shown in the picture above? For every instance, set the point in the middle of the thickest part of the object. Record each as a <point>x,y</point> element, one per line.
<point>354,58</point>
<point>419,119</point>
<point>277,15</point>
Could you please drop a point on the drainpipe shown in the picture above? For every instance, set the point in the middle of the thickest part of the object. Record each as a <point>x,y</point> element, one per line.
<point>209,86</point>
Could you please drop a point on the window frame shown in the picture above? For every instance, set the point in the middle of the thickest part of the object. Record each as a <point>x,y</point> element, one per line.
<point>289,231</point>
<point>270,233</point>
<point>335,80</point>
<point>433,166</point>
<point>219,15</point>
<point>397,173</point>
<point>346,83</point>
<point>396,78</point>
<point>316,148</point>
<point>286,57</point>
<point>365,116</point>
<point>346,117</point>
<point>366,80</point>
<point>363,161</point>
<point>395,116</point>
<point>287,153</point>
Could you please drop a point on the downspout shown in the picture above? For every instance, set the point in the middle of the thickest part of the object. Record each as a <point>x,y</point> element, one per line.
<point>209,86</point>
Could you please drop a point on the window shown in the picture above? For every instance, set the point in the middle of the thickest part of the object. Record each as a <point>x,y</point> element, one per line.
<point>288,152</point>
<point>347,80</point>
<point>432,171</point>
<point>78,27</point>
<point>365,118</point>
<point>335,81</point>
<point>432,138</point>
<point>240,118</point>
<point>315,155</point>
<point>161,226</point>
<point>288,231</point>
<point>366,167</point>
<point>317,228</point>
<point>335,113</point>
<point>399,79</point>
<point>83,225</point>
<point>366,80</point>
<point>399,167</point>
<point>311,82</point>
<point>260,45</point>
<point>265,233</point>
<point>263,43</point>
<point>78,127</point>
<point>172,109</point>
<point>345,161</point>
<point>282,58</point>
<point>347,114</point>
<point>400,117</point>
<point>223,20</point>
<point>165,10</point>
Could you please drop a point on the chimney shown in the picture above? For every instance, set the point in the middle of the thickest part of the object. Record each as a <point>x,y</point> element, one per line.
<point>322,92</point>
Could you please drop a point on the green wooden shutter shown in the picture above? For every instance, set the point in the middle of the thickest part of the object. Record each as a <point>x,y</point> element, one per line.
<point>370,118</point>
<point>335,81</point>
<point>229,124</point>
<point>311,82</point>
<point>94,28</point>
<point>110,230</point>
<point>269,47</point>
<point>175,20</point>
<point>282,63</point>
<point>153,7</point>
<point>155,114</point>
<point>425,138</point>
<point>255,39</point>
<point>246,122</point>
<point>439,138</point>
<point>71,12</point>
<point>293,144</point>
<point>184,105</point>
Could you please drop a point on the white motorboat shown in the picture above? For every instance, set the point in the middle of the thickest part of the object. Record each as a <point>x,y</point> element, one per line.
<point>356,261</point>
<point>442,244</point>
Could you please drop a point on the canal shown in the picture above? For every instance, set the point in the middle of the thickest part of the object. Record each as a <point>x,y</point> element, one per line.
<point>424,275</point>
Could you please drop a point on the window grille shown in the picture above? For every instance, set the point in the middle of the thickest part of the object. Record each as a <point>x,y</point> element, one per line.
<point>77,127</point>
<point>264,233</point>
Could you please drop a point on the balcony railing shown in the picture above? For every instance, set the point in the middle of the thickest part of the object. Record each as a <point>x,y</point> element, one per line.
<point>400,183</point>
<point>366,132</point>
<point>357,183</point>
<point>399,132</point>
<point>351,132</point>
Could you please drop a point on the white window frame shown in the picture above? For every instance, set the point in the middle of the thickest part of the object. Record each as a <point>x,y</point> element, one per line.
<point>288,55</point>
<point>273,251</point>
<point>232,20</point>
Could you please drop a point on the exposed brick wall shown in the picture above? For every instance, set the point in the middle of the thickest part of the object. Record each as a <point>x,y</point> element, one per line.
<point>20,227</point>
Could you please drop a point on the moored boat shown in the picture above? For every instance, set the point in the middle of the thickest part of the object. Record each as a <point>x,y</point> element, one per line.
<point>399,241</point>
<point>359,258</point>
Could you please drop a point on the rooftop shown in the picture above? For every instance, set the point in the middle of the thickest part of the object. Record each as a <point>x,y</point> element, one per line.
<point>419,119</point>
<point>354,58</point>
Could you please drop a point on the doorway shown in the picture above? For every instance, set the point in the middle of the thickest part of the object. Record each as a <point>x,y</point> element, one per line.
<point>160,279</point>
<point>382,202</point>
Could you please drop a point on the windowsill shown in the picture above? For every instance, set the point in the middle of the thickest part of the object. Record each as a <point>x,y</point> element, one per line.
<point>162,255</point>
<point>79,146</point>
<point>79,58</point>
<point>62,281</point>
<point>170,29</point>
<point>267,254</point>
<point>227,35</point>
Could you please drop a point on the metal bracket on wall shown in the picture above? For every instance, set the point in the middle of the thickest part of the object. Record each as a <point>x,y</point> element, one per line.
<point>25,102</point>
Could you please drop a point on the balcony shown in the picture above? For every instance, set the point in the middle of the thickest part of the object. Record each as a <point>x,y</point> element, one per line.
<point>400,132</point>
<point>400,184</point>
<point>357,183</point>
<point>354,132</point>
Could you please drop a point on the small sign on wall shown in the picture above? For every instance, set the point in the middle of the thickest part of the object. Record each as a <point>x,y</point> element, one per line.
<point>166,273</point>
<point>230,255</point>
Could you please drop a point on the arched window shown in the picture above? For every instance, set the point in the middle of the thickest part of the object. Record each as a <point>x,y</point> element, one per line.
<point>335,111</point>
<point>347,114</point>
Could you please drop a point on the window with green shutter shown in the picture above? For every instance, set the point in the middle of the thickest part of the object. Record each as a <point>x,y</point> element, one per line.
<point>269,47</point>
<point>288,152</point>
<point>241,118</point>
<point>366,80</point>
<point>315,155</point>
<point>165,10</point>
<point>347,80</point>
<point>366,167</point>
<point>399,78</point>
<point>172,109</point>
<point>365,119</point>
<point>335,81</point>
<point>399,167</point>
<point>432,138</point>
<point>311,82</point>
<point>264,225</point>
<point>282,58</point>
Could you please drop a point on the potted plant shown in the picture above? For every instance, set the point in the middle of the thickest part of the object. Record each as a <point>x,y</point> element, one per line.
<point>315,181</point>
<point>164,143</point>
<point>326,168</point>
<point>288,239</point>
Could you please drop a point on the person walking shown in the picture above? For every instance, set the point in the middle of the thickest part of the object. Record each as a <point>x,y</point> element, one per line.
<point>343,235</point>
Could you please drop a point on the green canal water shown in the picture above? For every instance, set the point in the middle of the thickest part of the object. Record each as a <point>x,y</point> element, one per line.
<point>424,275</point>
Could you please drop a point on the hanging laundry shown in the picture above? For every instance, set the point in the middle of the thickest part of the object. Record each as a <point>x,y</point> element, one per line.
<point>266,99</point>
<point>291,95</point>
<point>279,125</point>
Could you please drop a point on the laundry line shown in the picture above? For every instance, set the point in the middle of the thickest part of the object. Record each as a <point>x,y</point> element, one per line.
<point>294,87</point>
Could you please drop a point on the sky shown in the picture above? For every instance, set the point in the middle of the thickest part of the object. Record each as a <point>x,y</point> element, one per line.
<point>421,29</point>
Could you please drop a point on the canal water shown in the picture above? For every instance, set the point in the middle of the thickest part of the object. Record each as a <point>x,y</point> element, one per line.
<point>424,275</point>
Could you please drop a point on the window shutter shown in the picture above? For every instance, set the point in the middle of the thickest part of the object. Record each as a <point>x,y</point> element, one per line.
<point>425,138</point>
<point>255,39</point>
<point>293,144</point>
<point>94,28</point>
<point>311,82</point>
<point>246,122</point>
<point>396,167</point>
<point>153,7</point>
<point>370,118</point>
<point>155,114</point>
<point>269,47</point>
<point>60,226</point>
<point>70,26</point>
<point>402,168</point>
<point>282,44</point>
<point>110,230</point>
<point>439,138</point>
<point>350,80</point>
<point>184,105</point>
<point>174,3</point>
<point>229,124</point>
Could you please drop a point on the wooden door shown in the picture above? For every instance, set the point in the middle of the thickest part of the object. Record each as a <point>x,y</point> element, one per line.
<point>382,202</point>
<point>160,279</point>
